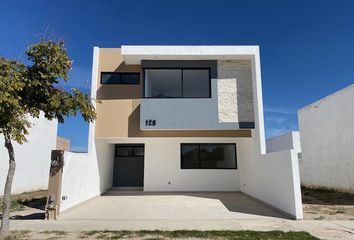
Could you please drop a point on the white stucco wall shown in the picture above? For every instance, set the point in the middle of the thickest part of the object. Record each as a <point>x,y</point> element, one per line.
<point>272,178</point>
<point>85,175</point>
<point>166,154</point>
<point>290,140</point>
<point>327,140</point>
<point>162,164</point>
<point>32,158</point>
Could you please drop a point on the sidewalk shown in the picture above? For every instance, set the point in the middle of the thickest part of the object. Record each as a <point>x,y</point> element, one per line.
<point>320,228</point>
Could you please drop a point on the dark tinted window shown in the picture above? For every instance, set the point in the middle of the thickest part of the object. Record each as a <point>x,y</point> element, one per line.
<point>177,83</point>
<point>129,150</point>
<point>190,156</point>
<point>196,83</point>
<point>120,78</point>
<point>208,156</point>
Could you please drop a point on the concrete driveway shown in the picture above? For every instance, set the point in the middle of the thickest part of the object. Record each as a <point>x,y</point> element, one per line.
<point>116,205</point>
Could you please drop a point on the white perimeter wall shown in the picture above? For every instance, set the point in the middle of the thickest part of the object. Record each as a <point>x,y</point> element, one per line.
<point>32,158</point>
<point>86,175</point>
<point>290,140</point>
<point>272,178</point>
<point>327,140</point>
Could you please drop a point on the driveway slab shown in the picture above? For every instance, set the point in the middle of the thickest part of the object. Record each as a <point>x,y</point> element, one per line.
<point>142,206</point>
<point>182,211</point>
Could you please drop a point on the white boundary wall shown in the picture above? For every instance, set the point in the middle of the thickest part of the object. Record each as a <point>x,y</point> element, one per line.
<point>85,176</point>
<point>327,140</point>
<point>272,178</point>
<point>32,158</point>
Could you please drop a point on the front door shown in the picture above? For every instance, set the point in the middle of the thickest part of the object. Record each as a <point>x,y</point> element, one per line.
<point>128,168</point>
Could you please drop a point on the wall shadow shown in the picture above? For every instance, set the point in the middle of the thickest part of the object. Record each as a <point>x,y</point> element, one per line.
<point>235,202</point>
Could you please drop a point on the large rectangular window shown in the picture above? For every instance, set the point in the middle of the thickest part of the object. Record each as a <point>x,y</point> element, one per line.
<point>208,156</point>
<point>177,83</point>
<point>120,78</point>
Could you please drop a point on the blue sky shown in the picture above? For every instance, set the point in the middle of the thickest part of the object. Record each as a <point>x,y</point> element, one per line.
<point>307,47</point>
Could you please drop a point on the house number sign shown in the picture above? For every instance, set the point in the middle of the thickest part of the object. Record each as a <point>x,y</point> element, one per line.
<point>150,122</point>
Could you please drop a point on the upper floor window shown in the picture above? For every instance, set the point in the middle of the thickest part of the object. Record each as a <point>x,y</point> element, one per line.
<point>120,78</point>
<point>177,83</point>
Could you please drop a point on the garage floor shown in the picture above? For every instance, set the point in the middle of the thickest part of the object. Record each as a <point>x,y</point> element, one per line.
<point>115,205</point>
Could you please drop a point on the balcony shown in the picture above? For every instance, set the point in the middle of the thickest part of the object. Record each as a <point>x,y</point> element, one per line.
<point>180,99</point>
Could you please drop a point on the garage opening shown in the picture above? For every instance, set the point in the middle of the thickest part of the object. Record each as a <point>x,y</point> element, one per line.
<point>128,170</point>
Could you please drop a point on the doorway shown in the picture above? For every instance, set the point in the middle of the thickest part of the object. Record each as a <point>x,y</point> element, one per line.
<point>128,170</point>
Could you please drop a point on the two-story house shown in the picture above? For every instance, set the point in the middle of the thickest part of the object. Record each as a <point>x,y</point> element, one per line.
<point>186,118</point>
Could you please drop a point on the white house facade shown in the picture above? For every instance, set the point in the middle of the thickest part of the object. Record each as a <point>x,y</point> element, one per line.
<point>180,118</point>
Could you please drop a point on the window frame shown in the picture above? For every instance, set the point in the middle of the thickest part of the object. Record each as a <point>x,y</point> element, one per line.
<point>120,78</point>
<point>199,144</point>
<point>176,68</point>
<point>133,146</point>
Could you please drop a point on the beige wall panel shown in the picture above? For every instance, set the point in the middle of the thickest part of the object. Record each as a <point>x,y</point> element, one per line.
<point>110,60</point>
<point>118,113</point>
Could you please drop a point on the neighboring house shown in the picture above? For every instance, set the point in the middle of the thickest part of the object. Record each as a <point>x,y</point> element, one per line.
<point>180,118</point>
<point>32,158</point>
<point>326,153</point>
<point>327,141</point>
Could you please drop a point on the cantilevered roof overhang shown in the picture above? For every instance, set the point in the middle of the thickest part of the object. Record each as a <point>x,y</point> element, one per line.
<point>133,54</point>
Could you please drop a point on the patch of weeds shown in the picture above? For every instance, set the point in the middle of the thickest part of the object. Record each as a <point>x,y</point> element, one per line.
<point>245,235</point>
<point>57,233</point>
<point>17,235</point>
<point>15,206</point>
<point>102,236</point>
<point>340,210</point>
<point>319,218</point>
<point>326,196</point>
<point>90,233</point>
<point>53,238</point>
<point>35,199</point>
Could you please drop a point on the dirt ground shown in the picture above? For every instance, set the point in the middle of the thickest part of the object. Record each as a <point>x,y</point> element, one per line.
<point>322,204</point>
<point>28,205</point>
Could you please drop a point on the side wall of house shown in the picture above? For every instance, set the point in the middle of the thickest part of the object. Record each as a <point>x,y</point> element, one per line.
<point>32,158</point>
<point>271,178</point>
<point>327,140</point>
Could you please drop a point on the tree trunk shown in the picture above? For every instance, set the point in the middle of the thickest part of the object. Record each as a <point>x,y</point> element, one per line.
<point>5,222</point>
